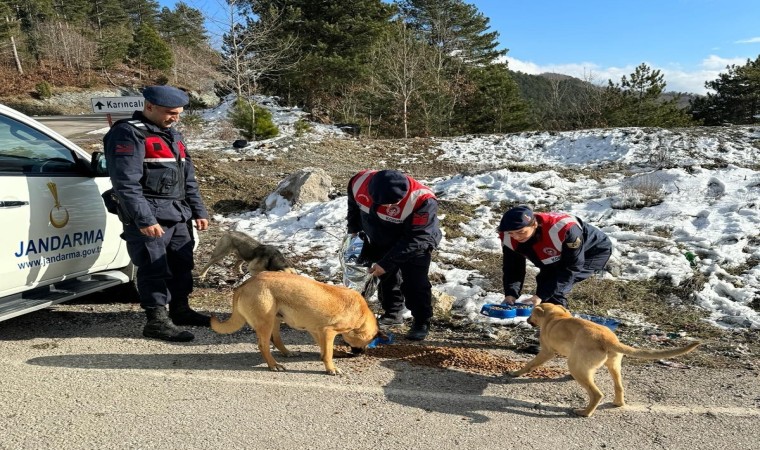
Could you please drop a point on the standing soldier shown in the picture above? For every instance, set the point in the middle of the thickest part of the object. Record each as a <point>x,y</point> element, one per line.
<point>154,185</point>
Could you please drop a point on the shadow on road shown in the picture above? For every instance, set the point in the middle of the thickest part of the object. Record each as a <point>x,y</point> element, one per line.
<point>461,393</point>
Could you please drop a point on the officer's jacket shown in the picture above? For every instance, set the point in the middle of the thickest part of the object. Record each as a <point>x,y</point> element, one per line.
<point>151,173</point>
<point>558,249</point>
<point>404,229</point>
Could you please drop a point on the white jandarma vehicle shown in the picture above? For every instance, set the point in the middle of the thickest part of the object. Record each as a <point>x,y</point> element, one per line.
<point>57,241</point>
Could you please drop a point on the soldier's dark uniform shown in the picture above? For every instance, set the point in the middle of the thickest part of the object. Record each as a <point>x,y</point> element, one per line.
<point>154,182</point>
<point>398,215</point>
<point>565,249</point>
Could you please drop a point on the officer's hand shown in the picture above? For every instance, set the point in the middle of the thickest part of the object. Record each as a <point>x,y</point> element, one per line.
<point>201,224</point>
<point>536,300</point>
<point>508,300</point>
<point>376,271</point>
<point>154,231</point>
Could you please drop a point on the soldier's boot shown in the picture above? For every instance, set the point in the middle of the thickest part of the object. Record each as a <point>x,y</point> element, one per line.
<point>160,327</point>
<point>181,314</point>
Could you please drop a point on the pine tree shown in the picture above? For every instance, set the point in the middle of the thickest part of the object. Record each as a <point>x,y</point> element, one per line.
<point>736,97</point>
<point>141,12</point>
<point>636,101</point>
<point>182,26</point>
<point>150,50</point>
<point>457,29</point>
<point>333,43</point>
<point>495,106</point>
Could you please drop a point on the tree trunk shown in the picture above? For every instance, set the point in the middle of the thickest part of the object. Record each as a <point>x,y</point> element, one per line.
<point>16,58</point>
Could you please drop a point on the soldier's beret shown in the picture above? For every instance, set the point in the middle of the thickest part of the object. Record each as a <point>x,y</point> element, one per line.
<point>388,186</point>
<point>516,218</point>
<point>166,96</point>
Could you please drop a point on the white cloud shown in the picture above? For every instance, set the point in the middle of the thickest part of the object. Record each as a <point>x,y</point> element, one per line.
<point>677,78</point>
<point>754,40</point>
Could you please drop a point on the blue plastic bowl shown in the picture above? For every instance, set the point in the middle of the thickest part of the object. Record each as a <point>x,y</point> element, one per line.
<point>498,311</point>
<point>523,309</point>
<point>379,340</point>
<point>608,322</point>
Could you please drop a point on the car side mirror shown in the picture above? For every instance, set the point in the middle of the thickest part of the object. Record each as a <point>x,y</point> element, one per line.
<point>98,164</point>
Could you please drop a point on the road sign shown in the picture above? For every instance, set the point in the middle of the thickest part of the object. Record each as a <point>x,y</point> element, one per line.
<point>117,104</point>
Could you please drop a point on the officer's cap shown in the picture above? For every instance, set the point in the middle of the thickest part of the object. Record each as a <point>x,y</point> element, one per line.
<point>516,218</point>
<point>388,186</point>
<point>166,96</point>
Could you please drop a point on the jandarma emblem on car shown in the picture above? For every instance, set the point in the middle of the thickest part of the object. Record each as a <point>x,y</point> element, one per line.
<point>59,216</point>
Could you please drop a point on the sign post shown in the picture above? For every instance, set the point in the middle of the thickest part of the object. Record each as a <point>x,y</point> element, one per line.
<point>110,105</point>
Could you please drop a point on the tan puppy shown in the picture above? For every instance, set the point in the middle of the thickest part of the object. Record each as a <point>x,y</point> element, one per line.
<point>233,241</point>
<point>270,298</point>
<point>587,346</point>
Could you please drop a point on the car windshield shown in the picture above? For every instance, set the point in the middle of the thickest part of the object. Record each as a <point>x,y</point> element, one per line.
<point>26,150</point>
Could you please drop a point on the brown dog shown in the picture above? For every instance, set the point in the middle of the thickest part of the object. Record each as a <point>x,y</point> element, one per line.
<point>270,298</point>
<point>587,346</point>
<point>233,241</point>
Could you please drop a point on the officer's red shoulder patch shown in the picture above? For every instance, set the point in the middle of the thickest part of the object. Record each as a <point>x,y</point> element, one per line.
<point>420,218</point>
<point>124,149</point>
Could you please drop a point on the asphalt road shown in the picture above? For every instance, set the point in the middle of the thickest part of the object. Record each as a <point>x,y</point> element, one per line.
<point>70,126</point>
<point>81,377</point>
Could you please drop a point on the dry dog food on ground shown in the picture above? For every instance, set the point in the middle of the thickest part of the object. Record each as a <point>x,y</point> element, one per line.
<point>467,359</point>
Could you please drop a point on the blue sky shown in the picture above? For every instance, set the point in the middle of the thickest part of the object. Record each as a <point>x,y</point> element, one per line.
<point>690,41</point>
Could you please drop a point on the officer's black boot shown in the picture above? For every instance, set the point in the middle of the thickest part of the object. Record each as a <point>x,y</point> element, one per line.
<point>160,327</point>
<point>181,314</point>
<point>419,330</point>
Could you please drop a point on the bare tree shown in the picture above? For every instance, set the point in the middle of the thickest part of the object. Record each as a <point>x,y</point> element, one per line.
<point>250,50</point>
<point>402,64</point>
<point>10,28</point>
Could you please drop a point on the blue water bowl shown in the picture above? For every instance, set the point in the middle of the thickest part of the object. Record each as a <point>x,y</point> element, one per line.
<point>608,322</point>
<point>498,311</point>
<point>523,309</point>
<point>381,340</point>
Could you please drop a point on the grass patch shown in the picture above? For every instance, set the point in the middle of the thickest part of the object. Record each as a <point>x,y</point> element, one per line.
<point>455,213</point>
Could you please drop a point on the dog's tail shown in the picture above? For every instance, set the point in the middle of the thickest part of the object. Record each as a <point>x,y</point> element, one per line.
<point>643,353</point>
<point>231,325</point>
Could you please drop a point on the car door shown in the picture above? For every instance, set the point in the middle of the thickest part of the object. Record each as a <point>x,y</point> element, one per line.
<point>55,225</point>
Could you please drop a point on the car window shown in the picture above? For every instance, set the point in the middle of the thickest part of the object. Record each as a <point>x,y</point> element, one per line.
<point>24,150</point>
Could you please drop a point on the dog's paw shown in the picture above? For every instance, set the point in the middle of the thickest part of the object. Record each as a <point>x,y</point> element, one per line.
<point>290,354</point>
<point>513,374</point>
<point>582,412</point>
<point>335,371</point>
<point>277,368</point>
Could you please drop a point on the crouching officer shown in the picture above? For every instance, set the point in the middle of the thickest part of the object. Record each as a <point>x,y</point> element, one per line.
<point>398,216</point>
<point>154,184</point>
<point>565,250</point>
